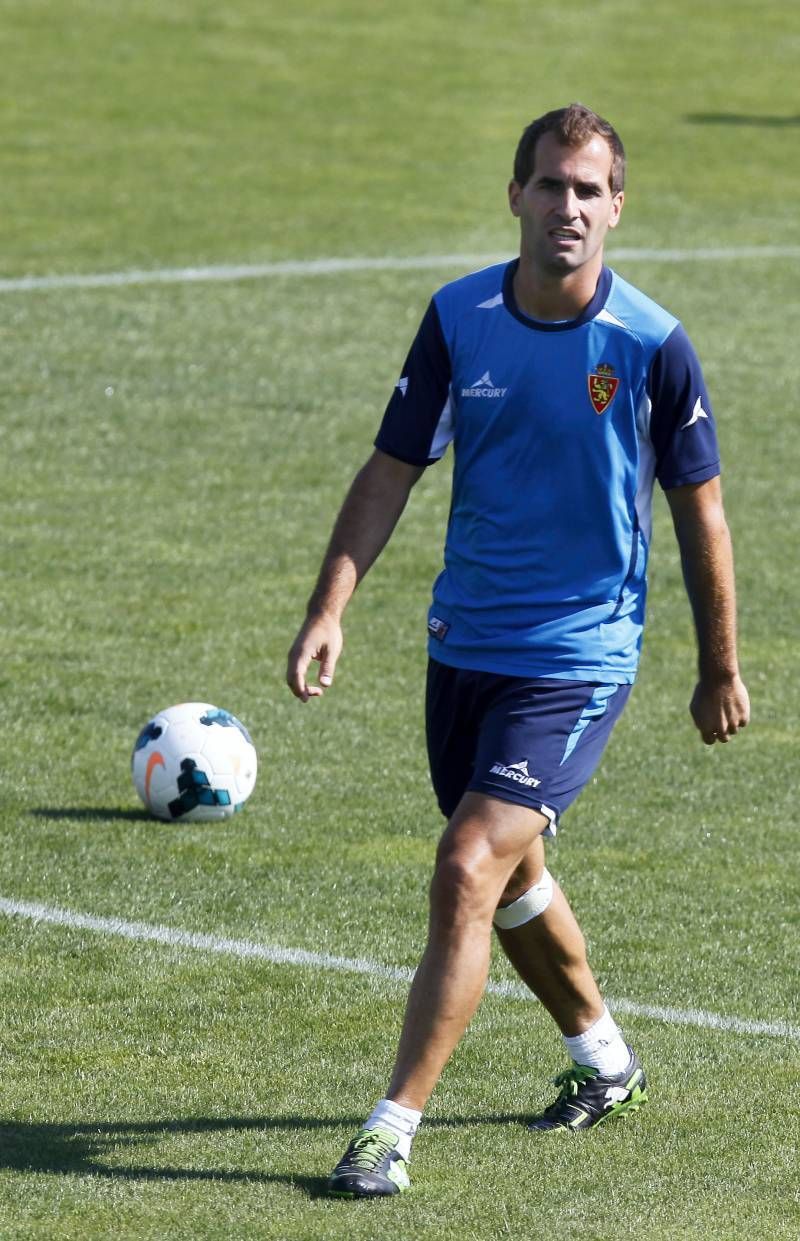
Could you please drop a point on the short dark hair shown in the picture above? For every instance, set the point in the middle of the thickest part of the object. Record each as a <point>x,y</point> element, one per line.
<point>573,127</point>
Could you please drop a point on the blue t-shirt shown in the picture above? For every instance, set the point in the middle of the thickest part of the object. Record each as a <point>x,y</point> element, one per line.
<point>558,431</point>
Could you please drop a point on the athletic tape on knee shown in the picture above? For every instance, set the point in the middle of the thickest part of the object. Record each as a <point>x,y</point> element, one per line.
<point>528,906</point>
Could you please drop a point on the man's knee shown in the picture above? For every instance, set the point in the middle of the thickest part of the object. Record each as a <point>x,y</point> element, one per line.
<point>485,842</point>
<point>460,877</point>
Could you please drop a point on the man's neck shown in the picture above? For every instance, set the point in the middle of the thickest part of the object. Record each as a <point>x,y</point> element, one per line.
<point>555,298</point>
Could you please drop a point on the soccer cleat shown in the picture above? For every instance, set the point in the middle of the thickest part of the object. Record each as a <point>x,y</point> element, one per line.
<point>587,1099</point>
<point>371,1167</point>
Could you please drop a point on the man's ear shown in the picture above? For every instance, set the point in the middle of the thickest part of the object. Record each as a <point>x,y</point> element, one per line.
<point>615,210</point>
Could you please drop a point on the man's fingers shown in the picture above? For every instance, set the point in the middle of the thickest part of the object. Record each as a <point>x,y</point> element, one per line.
<point>296,670</point>
<point>302,654</point>
<point>723,732</point>
<point>719,714</point>
<point>327,667</point>
<point>297,684</point>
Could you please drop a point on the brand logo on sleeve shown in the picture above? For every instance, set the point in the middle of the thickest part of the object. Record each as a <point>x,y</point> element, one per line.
<point>402,384</point>
<point>697,412</point>
<point>484,387</point>
<point>603,385</point>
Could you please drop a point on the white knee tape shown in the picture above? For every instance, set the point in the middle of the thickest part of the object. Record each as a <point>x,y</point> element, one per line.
<point>528,906</point>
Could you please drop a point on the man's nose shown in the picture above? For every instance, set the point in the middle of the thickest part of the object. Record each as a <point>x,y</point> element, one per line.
<point>569,204</point>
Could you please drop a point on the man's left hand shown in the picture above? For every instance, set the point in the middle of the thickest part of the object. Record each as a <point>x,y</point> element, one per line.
<point>720,708</point>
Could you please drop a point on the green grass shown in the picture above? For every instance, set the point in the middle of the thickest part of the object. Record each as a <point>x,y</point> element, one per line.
<point>174,456</point>
<point>190,131</point>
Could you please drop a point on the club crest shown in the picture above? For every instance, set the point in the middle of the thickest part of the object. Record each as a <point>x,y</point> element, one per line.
<point>603,386</point>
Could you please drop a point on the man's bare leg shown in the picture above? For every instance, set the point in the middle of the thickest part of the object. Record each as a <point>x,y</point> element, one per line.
<point>484,842</point>
<point>472,876</point>
<point>549,951</point>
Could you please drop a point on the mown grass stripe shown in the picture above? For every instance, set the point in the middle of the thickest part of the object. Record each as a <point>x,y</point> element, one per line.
<point>276,954</point>
<point>361,263</point>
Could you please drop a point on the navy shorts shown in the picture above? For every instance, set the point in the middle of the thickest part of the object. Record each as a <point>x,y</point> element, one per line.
<point>533,742</point>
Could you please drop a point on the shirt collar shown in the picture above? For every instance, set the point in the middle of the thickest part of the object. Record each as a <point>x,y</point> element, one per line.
<point>590,310</point>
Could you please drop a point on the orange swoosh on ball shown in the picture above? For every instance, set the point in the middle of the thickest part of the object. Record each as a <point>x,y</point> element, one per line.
<point>155,760</point>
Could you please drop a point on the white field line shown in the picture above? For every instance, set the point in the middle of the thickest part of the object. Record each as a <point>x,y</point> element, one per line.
<point>248,950</point>
<point>336,266</point>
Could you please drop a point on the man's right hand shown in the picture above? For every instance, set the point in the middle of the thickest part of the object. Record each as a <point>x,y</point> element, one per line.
<point>320,639</point>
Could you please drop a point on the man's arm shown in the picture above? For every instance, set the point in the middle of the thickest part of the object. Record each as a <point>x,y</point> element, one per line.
<point>370,512</point>
<point>720,705</point>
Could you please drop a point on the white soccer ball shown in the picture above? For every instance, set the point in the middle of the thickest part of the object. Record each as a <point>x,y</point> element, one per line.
<point>193,763</point>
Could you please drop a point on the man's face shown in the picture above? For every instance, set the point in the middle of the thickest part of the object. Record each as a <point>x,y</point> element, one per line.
<point>566,207</point>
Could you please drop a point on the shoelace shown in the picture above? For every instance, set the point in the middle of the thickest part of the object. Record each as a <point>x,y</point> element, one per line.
<point>369,1148</point>
<point>569,1081</point>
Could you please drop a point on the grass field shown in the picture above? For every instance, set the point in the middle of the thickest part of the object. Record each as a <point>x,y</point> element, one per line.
<point>174,456</point>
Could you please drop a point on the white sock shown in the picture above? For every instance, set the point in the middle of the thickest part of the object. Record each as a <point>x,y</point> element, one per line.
<point>404,1121</point>
<point>601,1047</point>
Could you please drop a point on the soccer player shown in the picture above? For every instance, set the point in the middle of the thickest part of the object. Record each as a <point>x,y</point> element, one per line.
<point>565,392</point>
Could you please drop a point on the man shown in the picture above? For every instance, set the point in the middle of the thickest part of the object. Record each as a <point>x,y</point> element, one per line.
<point>565,392</point>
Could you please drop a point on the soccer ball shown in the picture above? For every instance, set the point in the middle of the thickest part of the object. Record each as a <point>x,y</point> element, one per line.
<point>194,762</point>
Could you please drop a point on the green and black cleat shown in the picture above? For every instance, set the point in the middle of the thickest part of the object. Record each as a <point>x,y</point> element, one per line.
<point>587,1099</point>
<point>371,1167</point>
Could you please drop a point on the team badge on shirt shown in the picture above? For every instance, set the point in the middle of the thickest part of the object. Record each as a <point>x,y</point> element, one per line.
<point>603,386</point>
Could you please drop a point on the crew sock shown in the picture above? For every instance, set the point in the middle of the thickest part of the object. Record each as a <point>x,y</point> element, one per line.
<point>404,1121</point>
<point>601,1047</point>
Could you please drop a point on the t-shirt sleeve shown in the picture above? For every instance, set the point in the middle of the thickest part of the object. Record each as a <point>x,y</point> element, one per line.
<point>418,425</point>
<point>682,429</point>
